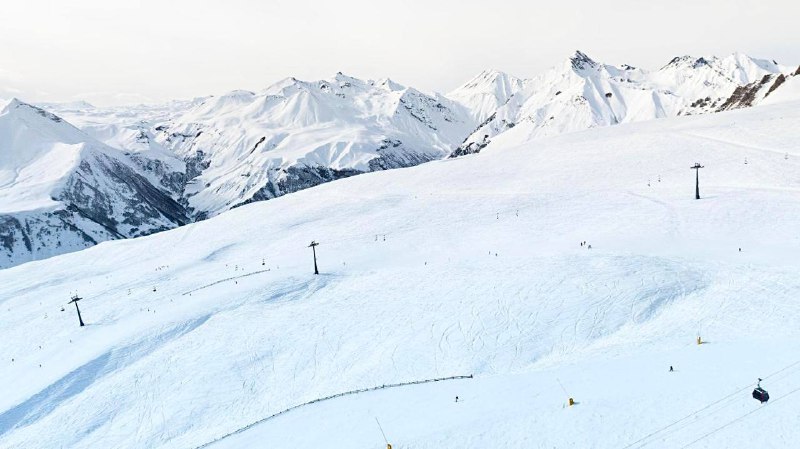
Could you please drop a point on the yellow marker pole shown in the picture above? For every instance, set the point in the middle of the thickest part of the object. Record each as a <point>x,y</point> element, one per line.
<point>571,401</point>
<point>699,340</point>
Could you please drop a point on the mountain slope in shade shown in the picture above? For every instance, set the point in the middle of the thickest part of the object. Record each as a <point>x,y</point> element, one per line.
<point>61,190</point>
<point>582,93</point>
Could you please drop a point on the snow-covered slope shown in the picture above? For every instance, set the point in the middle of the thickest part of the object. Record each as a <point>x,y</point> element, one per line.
<point>61,190</point>
<point>463,266</point>
<point>486,92</point>
<point>582,93</point>
<point>787,91</point>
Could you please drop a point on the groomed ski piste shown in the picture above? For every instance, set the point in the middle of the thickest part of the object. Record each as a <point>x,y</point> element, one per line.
<point>468,266</point>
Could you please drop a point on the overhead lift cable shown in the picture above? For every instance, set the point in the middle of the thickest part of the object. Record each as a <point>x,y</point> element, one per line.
<point>696,412</point>
<point>739,419</point>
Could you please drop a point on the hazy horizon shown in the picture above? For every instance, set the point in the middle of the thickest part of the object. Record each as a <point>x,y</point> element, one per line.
<point>144,51</point>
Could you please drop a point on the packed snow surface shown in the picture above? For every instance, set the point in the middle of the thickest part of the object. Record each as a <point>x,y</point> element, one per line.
<point>464,266</point>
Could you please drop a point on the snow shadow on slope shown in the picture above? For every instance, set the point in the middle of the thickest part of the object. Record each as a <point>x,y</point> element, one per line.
<point>41,404</point>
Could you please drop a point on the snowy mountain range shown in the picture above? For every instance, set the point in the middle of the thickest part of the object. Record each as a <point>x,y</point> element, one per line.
<point>582,93</point>
<point>297,134</point>
<point>130,171</point>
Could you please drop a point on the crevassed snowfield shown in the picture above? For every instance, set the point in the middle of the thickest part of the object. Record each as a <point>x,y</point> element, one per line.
<point>464,266</point>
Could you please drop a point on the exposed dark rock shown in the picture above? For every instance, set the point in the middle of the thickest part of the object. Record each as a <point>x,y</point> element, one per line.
<point>104,199</point>
<point>702,102</point>
<point>260,141</point>
<point>699,63</point>
<point>298,178</point>
<point>196,164</point>
<point>303,177</point>
<point>581,61</point>
<point>778,81</point>
<point>418,113</point>
<point>134,201</point>
<point>399,159</point>
<point>34,236</point>
<point>471,148</point>
<point>172,181</point>
<point>11,231</point>
<point>743,96</point>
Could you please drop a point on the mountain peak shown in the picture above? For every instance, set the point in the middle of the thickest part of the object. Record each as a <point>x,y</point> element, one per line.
<point>17,104</point>
<point>389,84</point>
<point>488,79</point>
<point>14,103</point>
<point>701,61</point>
<point>689,61</point>
<point>581,61</point>
<point>344,80</point>
<point>485,92</point>
<point>677,60</point>
<point>491,74</point>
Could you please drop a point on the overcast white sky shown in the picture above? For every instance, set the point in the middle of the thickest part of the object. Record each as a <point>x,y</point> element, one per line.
<point>122,51</point>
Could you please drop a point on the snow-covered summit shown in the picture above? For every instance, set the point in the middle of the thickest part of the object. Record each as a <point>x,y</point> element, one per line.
<point>581,62</point>
<point>486,92</point>
<point>39,150</point>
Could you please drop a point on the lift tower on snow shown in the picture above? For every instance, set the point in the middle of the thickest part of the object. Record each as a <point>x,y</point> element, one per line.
<point>697,168</point>
<point>75,300</point>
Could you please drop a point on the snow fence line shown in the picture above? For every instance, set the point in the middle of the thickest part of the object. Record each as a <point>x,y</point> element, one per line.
<point>224,280</point>
<point>338,395</point>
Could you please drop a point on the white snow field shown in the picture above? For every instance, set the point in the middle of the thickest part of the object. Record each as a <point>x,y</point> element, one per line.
<point>462,266</point>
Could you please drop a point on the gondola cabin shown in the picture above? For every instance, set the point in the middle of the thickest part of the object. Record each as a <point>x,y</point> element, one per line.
<point>761,394</point>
